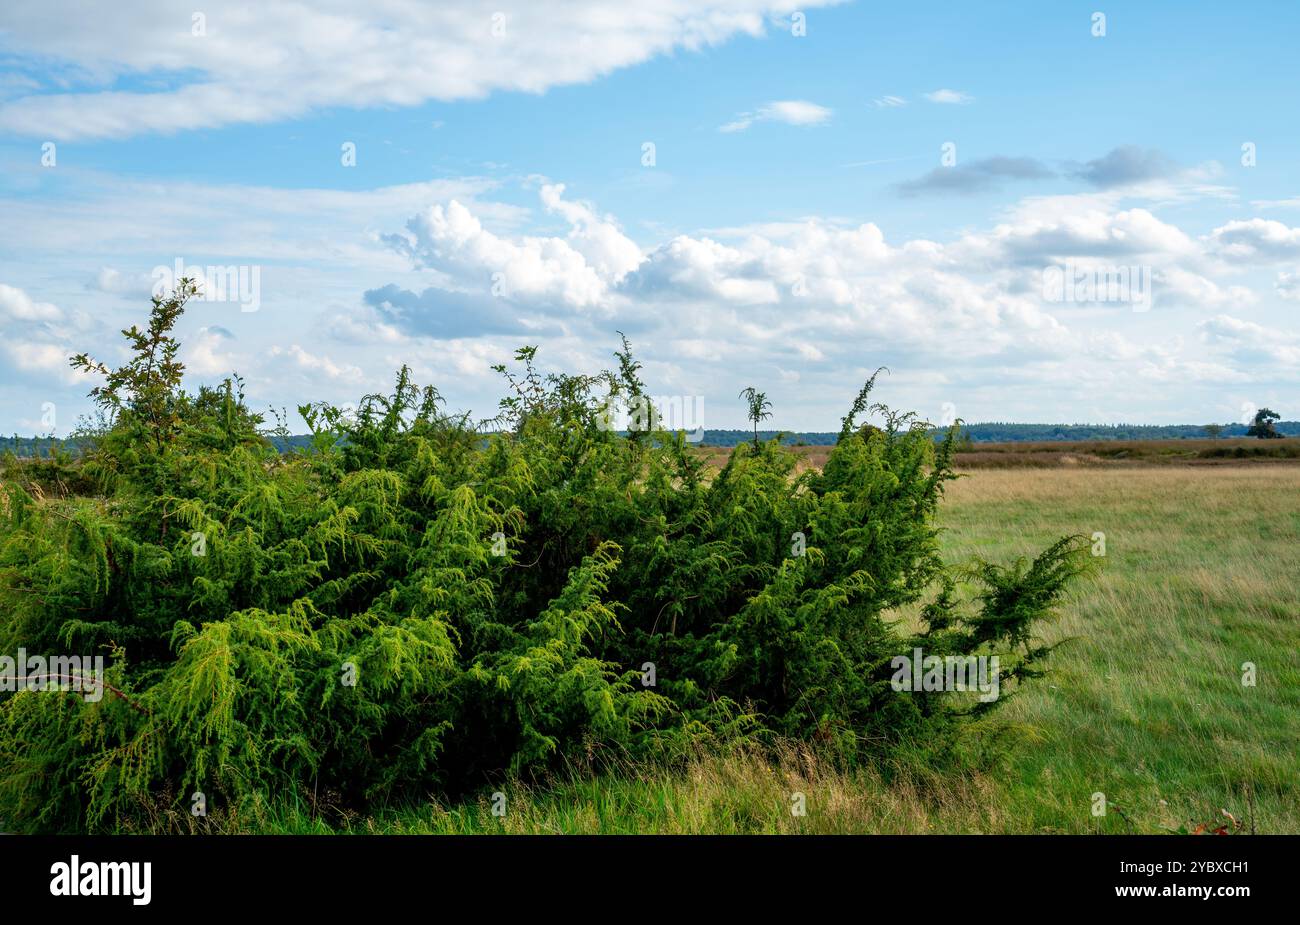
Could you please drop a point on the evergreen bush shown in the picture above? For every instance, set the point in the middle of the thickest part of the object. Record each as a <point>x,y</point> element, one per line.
<point>413,606</point>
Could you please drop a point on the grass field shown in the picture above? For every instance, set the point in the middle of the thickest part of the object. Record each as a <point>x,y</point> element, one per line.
<point>1147,703</point>
<point>1144,701</point>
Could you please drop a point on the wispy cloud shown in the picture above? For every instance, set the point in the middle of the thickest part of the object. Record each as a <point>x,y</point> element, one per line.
<point>976,176</point>
<point>888,102</point>
<point>278,59</point>
<point>885,160</point>
<point>791,112</point>
<point>949,96</point>
<point>1126,165</point>
<point>1291,203</point>
<point>738,124</point>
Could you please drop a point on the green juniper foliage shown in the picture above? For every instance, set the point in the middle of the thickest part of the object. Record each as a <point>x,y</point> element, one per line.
<point>411,606</point>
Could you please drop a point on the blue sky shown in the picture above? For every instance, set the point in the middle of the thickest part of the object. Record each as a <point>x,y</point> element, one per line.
<point>798,227</point>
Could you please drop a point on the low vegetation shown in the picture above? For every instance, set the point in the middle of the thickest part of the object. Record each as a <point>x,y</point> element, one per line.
<point>1127,453</point>
<point>1144,701</point>
<point>407,610</point>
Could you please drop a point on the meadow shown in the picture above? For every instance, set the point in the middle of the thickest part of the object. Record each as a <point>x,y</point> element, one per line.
<point>1143,702</point>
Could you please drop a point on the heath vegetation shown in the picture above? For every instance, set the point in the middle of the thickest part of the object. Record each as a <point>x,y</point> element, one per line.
<point>412,607</point>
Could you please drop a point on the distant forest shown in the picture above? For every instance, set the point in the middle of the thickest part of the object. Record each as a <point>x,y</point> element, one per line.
<point>1013,433</point>
<point>978,433</point>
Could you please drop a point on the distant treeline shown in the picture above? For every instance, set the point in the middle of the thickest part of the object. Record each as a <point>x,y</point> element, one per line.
<point>977,433</point>
<point>1011,433</point>
<point>1014,433</point>
<point>35,446</point>
<point>732,437</point>
<point>44,447</point>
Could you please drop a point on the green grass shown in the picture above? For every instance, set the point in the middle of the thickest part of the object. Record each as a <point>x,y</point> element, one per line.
<point>1146,703</point>
<point>1144,700</point>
